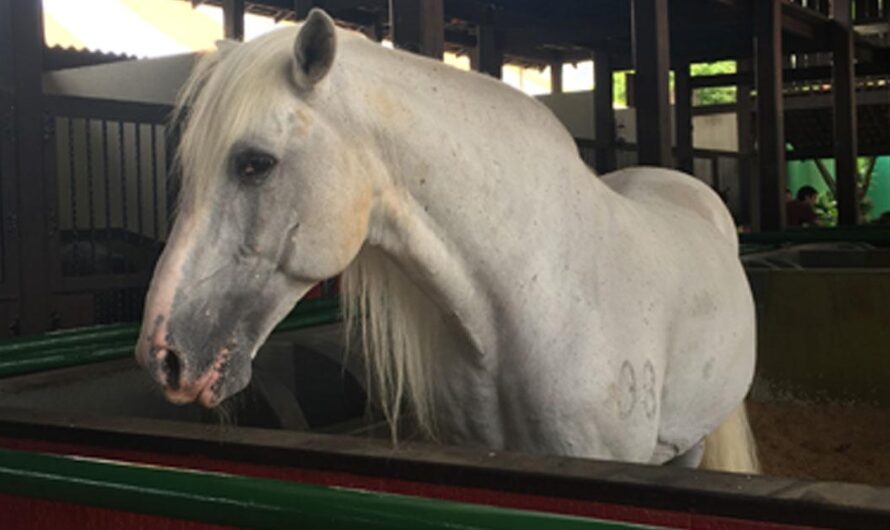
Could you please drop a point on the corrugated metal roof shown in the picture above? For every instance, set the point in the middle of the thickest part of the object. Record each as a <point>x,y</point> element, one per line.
<point>139,28</point>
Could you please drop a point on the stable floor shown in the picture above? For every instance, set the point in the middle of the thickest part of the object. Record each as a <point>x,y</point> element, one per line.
<point>834,442</point>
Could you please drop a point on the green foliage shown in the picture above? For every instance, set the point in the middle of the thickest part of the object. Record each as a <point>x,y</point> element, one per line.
<point>826,208</point>
<point>715,95</point>
<point>619,87</point>
<point>705,96</point>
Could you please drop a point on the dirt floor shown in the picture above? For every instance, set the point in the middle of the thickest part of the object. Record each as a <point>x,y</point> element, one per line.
<point>823,442</point>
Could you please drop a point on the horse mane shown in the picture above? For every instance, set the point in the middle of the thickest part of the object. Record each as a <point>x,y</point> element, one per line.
<point>397,327</point>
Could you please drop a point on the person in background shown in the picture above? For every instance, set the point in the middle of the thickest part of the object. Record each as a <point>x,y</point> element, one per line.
<point>802,211</point>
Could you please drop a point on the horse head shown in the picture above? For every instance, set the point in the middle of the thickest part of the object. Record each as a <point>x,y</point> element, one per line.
<point>272,202</point>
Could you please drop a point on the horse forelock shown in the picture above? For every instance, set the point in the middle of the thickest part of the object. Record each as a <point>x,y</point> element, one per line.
<point>219,102</point>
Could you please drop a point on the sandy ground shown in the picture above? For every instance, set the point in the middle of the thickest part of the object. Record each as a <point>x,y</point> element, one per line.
<point>823,442</point>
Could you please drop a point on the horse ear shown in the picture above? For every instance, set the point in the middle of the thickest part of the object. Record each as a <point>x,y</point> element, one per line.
<point>314,49</point>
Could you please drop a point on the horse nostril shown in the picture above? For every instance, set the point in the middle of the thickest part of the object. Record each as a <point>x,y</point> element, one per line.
<point>170,368</point>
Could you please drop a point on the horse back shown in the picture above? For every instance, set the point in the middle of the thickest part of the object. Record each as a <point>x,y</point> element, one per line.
<point>663,190</point>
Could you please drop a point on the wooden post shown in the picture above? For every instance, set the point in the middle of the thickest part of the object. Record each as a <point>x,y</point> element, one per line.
<point>33,208</point>
<point>9,244</point>
<point>233,19</point>
<point>630,83</point>
<point>844,94</point>
<point>418,26</point>
<point>651,59</point>
<point>745,134</point>
<point>6,60</point>
<point>604,112</point>
<point>683,117</point>
<point>770,116</point>
<point>556,77</point>
<point>489,57</point>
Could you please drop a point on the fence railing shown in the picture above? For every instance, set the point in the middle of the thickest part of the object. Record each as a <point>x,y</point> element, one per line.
<point>864,11</point>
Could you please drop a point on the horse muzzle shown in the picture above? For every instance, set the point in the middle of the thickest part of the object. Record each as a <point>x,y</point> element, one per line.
<point>183,380</point>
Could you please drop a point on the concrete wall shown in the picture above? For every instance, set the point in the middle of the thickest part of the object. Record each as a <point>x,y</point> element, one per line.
<point>145,80</point>
<point>823,335</point>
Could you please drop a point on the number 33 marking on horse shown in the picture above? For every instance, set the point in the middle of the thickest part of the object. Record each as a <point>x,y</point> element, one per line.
<point>630,394</point>
<point>650,404</point>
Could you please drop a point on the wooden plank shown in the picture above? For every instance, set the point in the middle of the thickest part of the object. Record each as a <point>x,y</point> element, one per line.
<point>845,129</point>
<point>683,118</point>
<point>233,19</point>
<point>770,185</point>
<point>418,26</point>
<point>106,109</point>
<point>32,205</point>
<point>604,112</point>
<point>489,56</point>
<point>651,58</point>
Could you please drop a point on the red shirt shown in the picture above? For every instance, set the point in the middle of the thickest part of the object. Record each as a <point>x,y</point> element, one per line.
<point>799,213</point>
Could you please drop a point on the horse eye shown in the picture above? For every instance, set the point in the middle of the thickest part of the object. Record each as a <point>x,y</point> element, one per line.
<point>252,166</point>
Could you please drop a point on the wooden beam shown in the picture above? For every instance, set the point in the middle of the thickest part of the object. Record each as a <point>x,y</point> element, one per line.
<point>302,8</point>
<point>418,26</point>
<point>770,117</point>
<point>745,133</point>
<point>844,95</point>
<point>233,19</point>
<point>7,74</point>
<point>604,112</point>
<point>651,59</point>
<point>683,119</point>
<point>556,77</point>
<point>33,208</point>
<point>489,55</point>
<point>810,73</point>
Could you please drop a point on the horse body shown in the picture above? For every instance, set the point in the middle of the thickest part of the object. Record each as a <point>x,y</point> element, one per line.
<point>529,305</point>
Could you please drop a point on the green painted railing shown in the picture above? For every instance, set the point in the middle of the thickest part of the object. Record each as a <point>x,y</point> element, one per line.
<point>254,503</point>
<point>95,344</point>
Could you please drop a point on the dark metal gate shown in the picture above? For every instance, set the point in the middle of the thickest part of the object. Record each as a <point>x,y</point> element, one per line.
<point>108,167</point>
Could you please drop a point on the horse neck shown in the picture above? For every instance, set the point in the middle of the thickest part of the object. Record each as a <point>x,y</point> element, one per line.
<point>475,171</point>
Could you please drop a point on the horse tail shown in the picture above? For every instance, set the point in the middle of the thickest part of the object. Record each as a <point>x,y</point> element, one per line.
<point>731,447</point>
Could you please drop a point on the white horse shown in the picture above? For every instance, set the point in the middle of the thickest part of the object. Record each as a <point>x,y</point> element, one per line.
<point>511,297</point>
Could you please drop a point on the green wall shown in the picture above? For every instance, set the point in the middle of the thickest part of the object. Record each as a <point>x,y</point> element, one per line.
<point>802,173</point>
